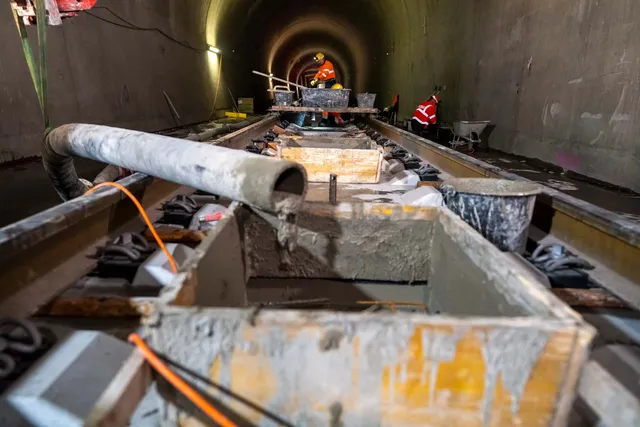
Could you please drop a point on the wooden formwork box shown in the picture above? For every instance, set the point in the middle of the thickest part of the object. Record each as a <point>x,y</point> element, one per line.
<point>496,349</point>
<point>354,161</point>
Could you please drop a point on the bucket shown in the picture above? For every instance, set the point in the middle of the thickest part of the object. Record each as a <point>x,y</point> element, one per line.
<point>366,100</point>
<point>500,210</point>
<point>284,97</point>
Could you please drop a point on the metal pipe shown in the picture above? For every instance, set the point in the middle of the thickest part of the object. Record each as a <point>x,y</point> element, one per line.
<point>263,182</point>
<point>278,79</point>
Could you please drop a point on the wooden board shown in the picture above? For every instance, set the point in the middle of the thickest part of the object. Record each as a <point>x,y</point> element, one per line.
<point>335,369</point>
<point>353,110</point>
<point>245,105</point>
<point>351,166</point>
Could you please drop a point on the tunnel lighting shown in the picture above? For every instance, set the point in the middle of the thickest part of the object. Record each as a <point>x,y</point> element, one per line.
<point>215,50</point>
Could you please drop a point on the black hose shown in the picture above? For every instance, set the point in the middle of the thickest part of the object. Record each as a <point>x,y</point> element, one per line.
<point>62,173</point>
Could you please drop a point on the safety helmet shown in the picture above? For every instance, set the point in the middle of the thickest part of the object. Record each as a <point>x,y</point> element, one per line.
<point>337,86</point>
<point>319,57</point>
<point>436,98</point>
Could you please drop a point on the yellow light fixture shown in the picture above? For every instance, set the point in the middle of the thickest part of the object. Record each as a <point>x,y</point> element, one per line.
<point>215,50</point>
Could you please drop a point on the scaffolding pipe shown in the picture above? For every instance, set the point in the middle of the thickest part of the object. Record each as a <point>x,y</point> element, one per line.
<point>278,79</point>
<point>259,181</point>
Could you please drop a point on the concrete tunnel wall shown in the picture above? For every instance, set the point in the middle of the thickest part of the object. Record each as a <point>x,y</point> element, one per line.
<point>558,79</point>
<point>105,74</point>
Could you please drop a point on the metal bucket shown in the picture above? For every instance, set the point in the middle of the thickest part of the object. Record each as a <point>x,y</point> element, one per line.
<point>366,100</point>
<point>500,210</point>
<point>326,98</point>
<point>284,97</point>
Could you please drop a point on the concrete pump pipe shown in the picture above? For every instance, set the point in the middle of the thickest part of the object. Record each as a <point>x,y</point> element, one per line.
<point>263,182</point>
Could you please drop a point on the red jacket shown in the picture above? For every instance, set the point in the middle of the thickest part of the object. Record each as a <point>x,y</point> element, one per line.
<point>326,72</point>
<point>426,113</point>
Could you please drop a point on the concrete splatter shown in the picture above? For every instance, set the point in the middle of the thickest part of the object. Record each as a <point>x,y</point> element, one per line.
<point>597,139</point>
<point>437,347</point>
<point>510,354</point>
<point>620,106</point>
<point>587,115</point>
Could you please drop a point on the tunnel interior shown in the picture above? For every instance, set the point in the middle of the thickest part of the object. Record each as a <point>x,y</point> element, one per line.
<point>282,37</point>
<point>558,82</point>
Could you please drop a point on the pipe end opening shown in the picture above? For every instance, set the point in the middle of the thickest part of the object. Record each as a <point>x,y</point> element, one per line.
<point>292,181</point>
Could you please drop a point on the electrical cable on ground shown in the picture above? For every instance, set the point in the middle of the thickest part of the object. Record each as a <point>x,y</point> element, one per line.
<point>172,261</point>
<point>179,383</point>
<point>132,26</point>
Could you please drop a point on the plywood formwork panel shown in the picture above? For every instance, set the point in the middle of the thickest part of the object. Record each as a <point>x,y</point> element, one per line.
<point>351,166</point>
<point>327,368</point>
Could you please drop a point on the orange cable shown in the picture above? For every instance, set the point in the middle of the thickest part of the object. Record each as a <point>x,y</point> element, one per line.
<point>135,201</point>
<point>179,383</point>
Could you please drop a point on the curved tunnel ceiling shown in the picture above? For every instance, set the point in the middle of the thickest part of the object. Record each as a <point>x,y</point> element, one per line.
<point>282,36</point>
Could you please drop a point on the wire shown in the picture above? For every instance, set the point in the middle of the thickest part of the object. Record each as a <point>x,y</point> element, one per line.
<point>135,201</point>
<point>132,26</point>
<point>179,383</point>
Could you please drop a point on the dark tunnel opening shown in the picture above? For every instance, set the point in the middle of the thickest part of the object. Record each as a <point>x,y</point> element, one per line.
<point>282,37</point>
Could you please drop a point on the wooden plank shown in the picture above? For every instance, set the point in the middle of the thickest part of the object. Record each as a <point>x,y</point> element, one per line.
<point>384,370</point>
<point>173,234</point>
<point>591,298</point>
<point>354,110</point>
<point>351,166</point>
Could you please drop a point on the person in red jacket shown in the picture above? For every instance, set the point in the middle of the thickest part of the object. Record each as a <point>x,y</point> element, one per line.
<point>326,74</point>
<point>425,115</point>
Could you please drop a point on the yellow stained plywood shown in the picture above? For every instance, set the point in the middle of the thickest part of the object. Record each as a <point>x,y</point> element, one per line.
<point>471,373</point>
<point>351,166</point>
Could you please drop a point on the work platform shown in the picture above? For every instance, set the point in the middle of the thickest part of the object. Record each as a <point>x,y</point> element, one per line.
<point>352,110</point>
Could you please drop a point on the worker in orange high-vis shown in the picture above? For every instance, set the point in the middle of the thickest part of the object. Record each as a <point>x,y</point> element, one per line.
<point>425,115</point>
<point>326,74</point>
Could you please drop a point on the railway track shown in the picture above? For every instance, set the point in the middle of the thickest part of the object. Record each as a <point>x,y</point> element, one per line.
<point>42,256</point>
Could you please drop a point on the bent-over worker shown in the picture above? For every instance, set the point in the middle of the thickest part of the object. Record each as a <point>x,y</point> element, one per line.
<point>326,73</point>
<point>425,115</point>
